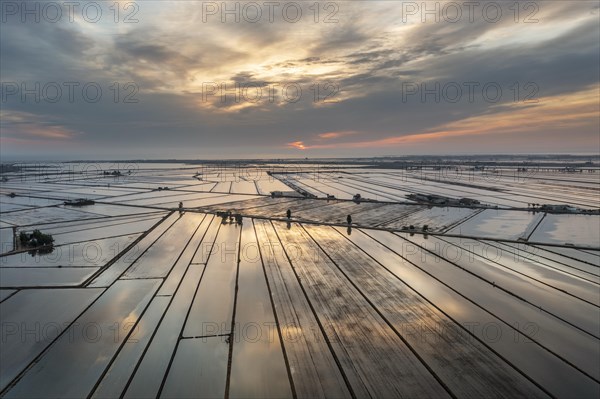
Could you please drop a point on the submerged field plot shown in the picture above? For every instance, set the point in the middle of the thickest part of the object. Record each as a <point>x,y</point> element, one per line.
<point>186,281</point>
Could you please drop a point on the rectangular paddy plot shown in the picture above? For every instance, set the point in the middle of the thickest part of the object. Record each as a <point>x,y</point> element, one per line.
<point>138,299</point>
<point>499,224</point>
<point>572,229</point>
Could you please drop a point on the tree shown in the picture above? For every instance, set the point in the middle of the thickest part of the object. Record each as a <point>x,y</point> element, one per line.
<point>36,239</point>
<point>41,238</point>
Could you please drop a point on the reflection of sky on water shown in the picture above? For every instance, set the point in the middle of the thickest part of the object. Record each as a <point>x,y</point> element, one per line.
<point>44,312</point>
<point>73,365</point>
<point>496,224</point>
<point>534,360</point>
<point>560,229</point>
<point>256,340</point>
<point>117,376</point>
<point>93,253</point>
<point>197,298</point>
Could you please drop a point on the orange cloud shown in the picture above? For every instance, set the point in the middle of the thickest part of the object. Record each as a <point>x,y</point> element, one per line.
<point>48,132</point>
<point>297,144</point>
<point>334,135</point>
<point>568,111</point>
<point>26,125</point>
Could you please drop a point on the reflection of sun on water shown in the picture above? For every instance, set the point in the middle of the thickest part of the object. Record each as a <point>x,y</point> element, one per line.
<point>291,332</point>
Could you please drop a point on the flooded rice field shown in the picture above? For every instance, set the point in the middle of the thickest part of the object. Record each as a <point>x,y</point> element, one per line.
<point>185,281</point>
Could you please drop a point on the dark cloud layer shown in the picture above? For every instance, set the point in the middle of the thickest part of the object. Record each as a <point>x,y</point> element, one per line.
<point>367,61</point>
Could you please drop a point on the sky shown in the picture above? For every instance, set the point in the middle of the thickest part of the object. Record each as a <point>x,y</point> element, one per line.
<point>219,80</point>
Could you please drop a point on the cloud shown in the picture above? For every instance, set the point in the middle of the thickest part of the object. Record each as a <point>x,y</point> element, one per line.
<point>335,135</point>
<point>28,133</point>
<point>368,55</point>
<point>32,127</point>
<point>576,113</point>
<point>297,145</point>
